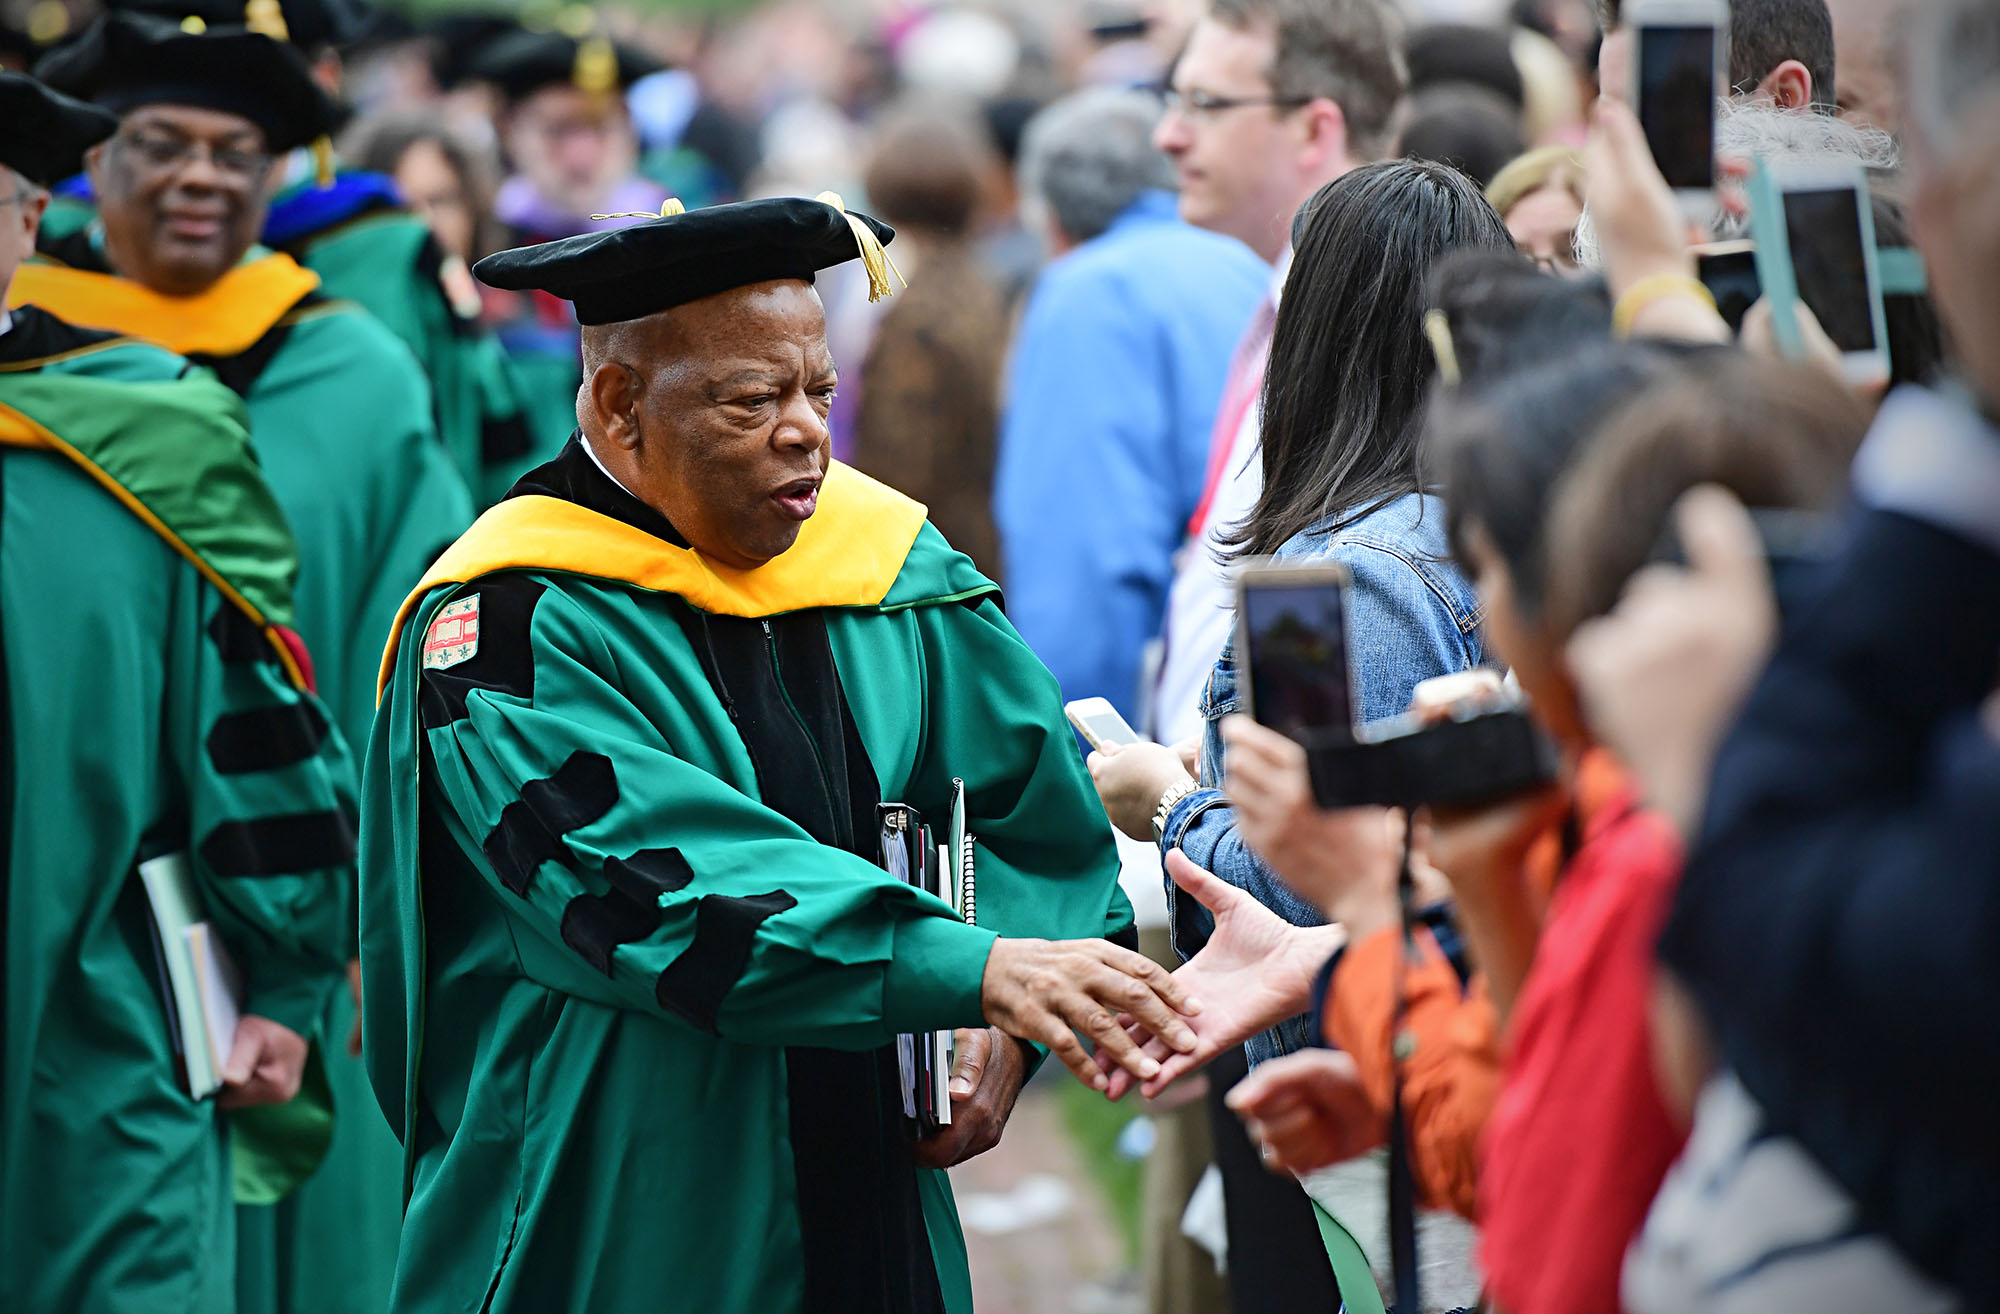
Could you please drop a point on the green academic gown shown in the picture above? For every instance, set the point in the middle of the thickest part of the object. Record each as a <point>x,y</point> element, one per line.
<point>380,256</point>
<point>632,975</point>
<point>340,417</point>
<point>153,704</point>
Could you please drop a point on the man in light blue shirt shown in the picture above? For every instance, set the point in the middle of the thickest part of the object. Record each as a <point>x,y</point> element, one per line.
<point>1112,391</point>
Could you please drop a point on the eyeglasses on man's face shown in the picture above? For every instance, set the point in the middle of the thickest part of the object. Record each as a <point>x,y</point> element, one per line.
<point>169,152</point>
<point>1202,105</point>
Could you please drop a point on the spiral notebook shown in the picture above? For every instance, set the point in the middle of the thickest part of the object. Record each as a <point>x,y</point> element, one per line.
<point>912,853</point>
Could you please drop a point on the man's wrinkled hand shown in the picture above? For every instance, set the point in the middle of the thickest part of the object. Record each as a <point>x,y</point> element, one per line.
<point>1048,990</point>
<point>1308,1110</point>
<point>266,1063</point>
<point>1256,970</point>
<point>986,1079</point>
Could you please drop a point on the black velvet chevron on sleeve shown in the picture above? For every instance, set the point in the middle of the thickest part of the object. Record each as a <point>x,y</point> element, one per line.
<point>281,845</point>
<point>596,924</point>
<point>531,828</point>
<point>266,738</point>
<point>695,984</point>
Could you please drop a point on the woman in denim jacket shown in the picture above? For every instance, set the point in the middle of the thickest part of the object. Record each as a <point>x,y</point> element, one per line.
<point>1342,405</point>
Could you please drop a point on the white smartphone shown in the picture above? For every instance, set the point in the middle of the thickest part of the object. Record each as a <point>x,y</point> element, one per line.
<point>1099,723</point>
<point>1830,226</point>
<point>1680,70</point>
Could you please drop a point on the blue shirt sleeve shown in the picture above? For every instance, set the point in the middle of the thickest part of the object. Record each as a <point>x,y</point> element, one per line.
<point>1086,492</point>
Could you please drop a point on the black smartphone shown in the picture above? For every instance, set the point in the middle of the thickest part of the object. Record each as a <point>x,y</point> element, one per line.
<point>1680,64</point>
<point>1729,271</point>
<point>1291,646</point>
<point>1829,223</point>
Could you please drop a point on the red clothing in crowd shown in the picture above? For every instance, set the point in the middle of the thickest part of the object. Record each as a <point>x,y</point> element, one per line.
<point>1579,1139</point>
<point>1564,1142</point>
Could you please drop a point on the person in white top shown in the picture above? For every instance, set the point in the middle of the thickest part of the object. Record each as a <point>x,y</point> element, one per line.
<point>1271,100</point>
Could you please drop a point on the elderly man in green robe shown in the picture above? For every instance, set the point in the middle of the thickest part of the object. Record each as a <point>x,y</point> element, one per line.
<point>632,972</point>
<point>152,702</point>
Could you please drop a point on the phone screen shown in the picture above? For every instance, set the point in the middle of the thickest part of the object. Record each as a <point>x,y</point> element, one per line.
<point>1732,279</point>
<point>1677,101</point>
<point>1106,727</point>
<point>1298,656</point>
<point>1824,227</point>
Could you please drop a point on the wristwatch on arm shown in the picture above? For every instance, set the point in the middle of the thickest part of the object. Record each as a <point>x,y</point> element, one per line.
<point>1173,794</point>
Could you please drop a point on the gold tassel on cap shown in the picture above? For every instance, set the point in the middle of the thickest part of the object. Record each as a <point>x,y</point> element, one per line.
<point>596,67</point>
<point>266,18</point>
<point>873,258</point>
<point>1438,329</point>
<point>668,209</point>
<point>322,149</point>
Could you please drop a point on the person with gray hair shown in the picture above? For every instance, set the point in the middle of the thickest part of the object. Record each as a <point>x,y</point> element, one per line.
<point>1112,390</point>
<point>1086,159</point>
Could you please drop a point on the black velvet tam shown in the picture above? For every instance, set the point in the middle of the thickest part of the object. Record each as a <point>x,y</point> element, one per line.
<point>124,61</point>
<point>308,24</point>
<point>43,133</point>
<point>629,273</point>
<point>522,63</point>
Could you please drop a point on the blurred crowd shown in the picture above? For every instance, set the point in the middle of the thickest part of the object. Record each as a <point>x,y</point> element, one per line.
<point>1705,1025</point>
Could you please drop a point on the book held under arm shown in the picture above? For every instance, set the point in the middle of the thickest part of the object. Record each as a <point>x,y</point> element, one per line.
<point>202,986</point>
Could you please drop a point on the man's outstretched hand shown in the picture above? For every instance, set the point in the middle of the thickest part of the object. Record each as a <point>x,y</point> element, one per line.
<point>1048,990</point>
<point>1255,971</point>
<point>986,1079</point>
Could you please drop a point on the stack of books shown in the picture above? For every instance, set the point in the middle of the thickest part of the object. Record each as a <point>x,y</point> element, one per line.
<point>912,852</point>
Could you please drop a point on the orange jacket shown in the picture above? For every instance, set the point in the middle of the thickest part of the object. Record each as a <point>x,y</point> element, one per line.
<point>1452,1076</point>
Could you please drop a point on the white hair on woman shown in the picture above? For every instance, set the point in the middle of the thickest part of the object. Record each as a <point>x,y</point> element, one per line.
<point>1760,130</point>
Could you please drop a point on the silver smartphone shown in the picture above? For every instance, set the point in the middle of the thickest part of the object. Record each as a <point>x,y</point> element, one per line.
<point>1680,71</point>
<point>1830,226</point>
<point>1099,723</point>
<point>1291,645</point>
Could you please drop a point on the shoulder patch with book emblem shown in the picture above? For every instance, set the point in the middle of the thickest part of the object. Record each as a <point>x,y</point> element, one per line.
<point>454,634</point>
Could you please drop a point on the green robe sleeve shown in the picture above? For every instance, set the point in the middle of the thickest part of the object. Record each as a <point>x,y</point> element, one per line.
<point>270,800</point>
<point>631,873</point>
<point>1046,863</point>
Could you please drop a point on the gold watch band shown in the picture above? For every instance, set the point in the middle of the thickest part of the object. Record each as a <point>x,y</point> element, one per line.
<point>1173,794</point>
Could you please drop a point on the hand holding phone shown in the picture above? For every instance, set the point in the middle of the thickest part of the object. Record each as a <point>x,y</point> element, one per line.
<point>1680,69</point>
<point>1099,723</point>
<point>1815,233</point>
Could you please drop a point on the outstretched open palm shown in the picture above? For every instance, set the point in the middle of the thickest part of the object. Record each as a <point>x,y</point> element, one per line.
<point>1255,971</point>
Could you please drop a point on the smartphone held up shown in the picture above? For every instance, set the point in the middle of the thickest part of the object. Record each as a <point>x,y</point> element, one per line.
<point>1292,655</point>
<point>1680,71</point>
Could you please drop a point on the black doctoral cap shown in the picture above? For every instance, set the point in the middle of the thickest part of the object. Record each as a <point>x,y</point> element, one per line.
<point>458,40</point>
<point>43,133</point>
<point>124,61</point>
<point>682,256</point>
<point>522,63</point>
<point>307,24</point>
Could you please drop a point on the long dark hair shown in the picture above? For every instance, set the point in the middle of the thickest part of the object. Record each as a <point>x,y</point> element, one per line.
<point>1349,363</point>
